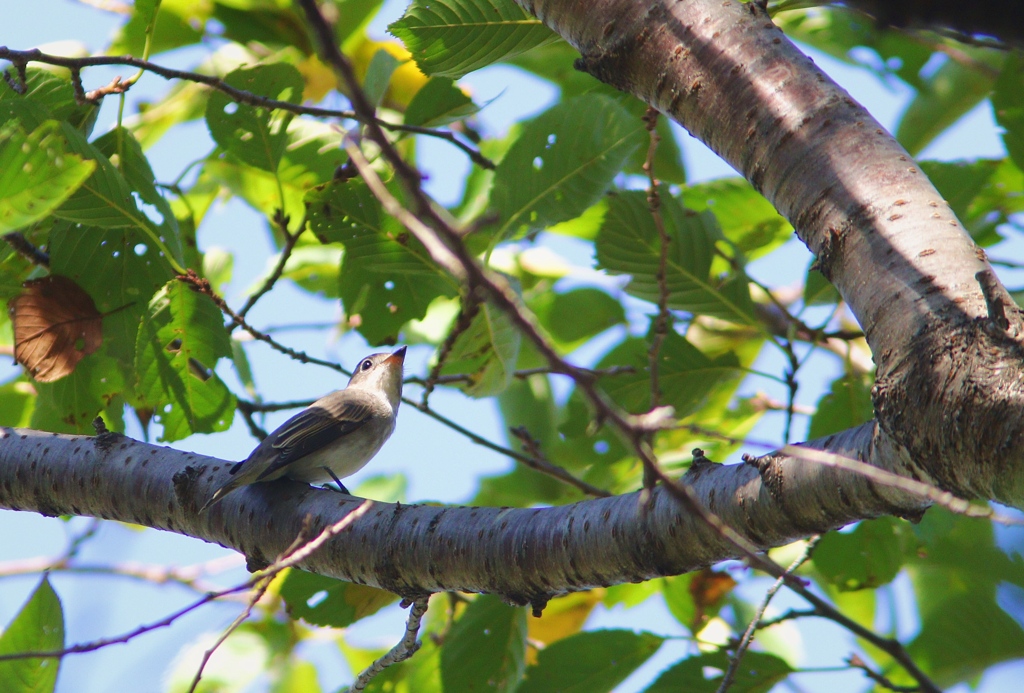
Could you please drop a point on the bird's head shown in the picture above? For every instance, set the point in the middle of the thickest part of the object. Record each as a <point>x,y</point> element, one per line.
<point>381,373</point>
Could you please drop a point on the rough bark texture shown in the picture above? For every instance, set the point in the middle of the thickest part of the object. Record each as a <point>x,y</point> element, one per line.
<point>525,554</point>
<point>947,397</point>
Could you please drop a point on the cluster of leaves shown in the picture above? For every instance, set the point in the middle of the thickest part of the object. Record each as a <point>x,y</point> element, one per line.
<point>94,205</point>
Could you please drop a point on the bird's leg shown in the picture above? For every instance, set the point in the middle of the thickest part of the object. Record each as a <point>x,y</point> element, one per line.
<point>341,487</point>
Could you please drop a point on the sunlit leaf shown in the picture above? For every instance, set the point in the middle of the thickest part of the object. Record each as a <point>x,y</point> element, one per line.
<point>37,173</point>
<point>757,673</point>
<point>453,37</point>
<point>325,601</point>
<point>487,352</point>
<point>38,627</point>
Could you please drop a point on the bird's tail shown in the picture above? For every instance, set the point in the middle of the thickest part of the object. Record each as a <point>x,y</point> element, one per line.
<point>227,488</point>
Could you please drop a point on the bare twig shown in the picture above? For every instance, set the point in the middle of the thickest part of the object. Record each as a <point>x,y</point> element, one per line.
<point>755,623</point>
<point>470,307</point>
<point>22,58</point>
<point>858,663</point>
<point>24,248</point>
<point>290,240</point>
<point>405,648</point>
<point>291,558</point>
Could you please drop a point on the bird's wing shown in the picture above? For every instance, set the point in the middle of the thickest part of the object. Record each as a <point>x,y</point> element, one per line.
<point>315,428</point>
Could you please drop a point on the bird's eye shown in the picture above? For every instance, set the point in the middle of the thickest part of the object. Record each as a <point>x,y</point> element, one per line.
<point>365,365</point>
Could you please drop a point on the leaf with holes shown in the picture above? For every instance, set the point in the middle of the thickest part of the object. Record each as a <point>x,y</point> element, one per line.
<point>757,672</point>
<point>486,648</point>
<point>326,601</point>
<point>563,163</point>
<point>628,243</point>
<point>179,343</point>
<point>387,277</point>
<point>451,38</point>
<point>252,133</point>
<point>37,173</point>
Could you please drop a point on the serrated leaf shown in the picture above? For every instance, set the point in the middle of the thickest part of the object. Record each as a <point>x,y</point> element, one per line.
<point>563,163</point>
<point>758,672</point>
<point>487,352</point>
<point>325,601</point>
<point>387,277</point>
<point>120,271</point>
<point>179,344</point>
<point>486,648</point>
<point>37,173</point>
<point>451,38</point>
<point>591,662</point>
<point>628,243</point>
<point>254,134</point>
<point>49,96</point>
<point>438,103</point>
<point>685,375</point>
<point>125,152</point>
<point>38,627</point>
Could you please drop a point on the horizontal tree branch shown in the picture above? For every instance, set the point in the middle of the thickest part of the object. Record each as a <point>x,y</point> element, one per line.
<point>527,555</point>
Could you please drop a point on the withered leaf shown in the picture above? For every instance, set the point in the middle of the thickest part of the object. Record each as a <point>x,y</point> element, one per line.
<point>56,325</point>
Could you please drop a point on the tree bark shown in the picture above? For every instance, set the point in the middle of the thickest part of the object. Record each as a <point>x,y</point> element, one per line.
<point>948,354</point>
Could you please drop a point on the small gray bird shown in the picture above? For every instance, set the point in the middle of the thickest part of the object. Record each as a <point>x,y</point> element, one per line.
<point>333,437</point>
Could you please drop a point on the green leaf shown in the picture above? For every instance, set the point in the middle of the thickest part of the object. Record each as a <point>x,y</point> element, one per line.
<point>173,26</point>
<point>529,402</point>
<point>124,151</point>
<point>438,103</point>
<point>378,75</point>
<point>868,557</point>
<point>450,38</point>
<point>387,276</point>
<point>686,376</point>
<point>563,163</point>
<point>119,270</point>
<point>749,221</point>
<point>252,133</point>
<point>487,352</point>
<point>17,399</point>
<point>589,662</point>
<point>106,199</point>
<point>819,291</point>
<point>38,627</point>
<point>37,173</point>
<point>575,316</point>
<point>70,404</point>
<point>47,96</point>
<point>628,243</point>
<point>178,346</point>
<point>848,404</point>
<point>1008,103</point>
<point>325,601</point>
<point>486,648</point>
<point>947,95</point>
<point>703,673</point>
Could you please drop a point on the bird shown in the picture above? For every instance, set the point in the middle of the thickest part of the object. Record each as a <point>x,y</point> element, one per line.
<point>332,438</point>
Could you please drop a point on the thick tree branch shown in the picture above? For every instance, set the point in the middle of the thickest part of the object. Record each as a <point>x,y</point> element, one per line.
<point>527,555</point>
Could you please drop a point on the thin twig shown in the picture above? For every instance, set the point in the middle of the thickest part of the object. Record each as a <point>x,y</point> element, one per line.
<point>748,634</point>
<point>24,248</point>
<point>290,240</point>
<point>405,648</point>
<point>22,58</point>
<point>858,663</point>
<point>470,307</point>
<point>292,558</point>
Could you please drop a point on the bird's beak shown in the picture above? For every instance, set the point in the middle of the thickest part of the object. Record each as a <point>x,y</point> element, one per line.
<point>398,357</point>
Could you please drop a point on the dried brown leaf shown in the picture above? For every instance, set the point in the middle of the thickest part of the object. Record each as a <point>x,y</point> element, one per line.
<point>56,325</point>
